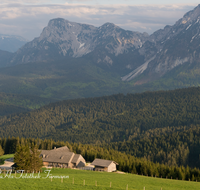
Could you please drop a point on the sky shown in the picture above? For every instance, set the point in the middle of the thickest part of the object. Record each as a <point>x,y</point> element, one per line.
<point>27,18</point>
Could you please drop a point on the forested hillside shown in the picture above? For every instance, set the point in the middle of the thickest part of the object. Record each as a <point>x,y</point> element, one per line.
<point>172,146</point>
<point>16,103</point>
<point>107,119</point>
<point>6,109</point>
<point>161,126</point>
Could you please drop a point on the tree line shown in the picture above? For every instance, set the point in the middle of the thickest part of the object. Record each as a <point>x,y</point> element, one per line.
<point>127,162</point>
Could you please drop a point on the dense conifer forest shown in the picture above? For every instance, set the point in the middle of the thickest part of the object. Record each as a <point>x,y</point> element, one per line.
<point>158,126</point>
<point>16,103</point>
<point>127,162</point>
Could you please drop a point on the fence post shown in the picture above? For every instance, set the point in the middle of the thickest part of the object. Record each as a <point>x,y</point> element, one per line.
<point>4,172</point>
<point>51,178</point>
<point>144,188</point>
<point>110,184</point>
<point>83,182</point>
<point>61,179</point>
<point>73,181</point>
<point>95,183</point>
<point>127,187</point>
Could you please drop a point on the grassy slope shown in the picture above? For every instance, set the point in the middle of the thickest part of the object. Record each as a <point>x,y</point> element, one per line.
<point>4,157</point>
<point>119,181</point>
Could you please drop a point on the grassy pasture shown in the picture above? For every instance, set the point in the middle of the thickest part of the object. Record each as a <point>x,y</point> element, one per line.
<point>102,179</point>
<point>4,157</point>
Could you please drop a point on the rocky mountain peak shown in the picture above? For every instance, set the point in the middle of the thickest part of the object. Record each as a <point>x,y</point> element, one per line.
<point>108,25</point>
<point>170,47</point>
<point>65,38</point>
<point>57,21</point>
<point>191,15</point>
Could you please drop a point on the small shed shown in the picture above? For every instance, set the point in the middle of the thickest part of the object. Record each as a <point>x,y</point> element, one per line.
<point>104,165</point>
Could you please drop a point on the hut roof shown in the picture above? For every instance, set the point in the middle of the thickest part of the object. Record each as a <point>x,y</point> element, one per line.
<point>56,156</point>
<point>75,158</point>
<point>102,163</point>
<point>64,148</point>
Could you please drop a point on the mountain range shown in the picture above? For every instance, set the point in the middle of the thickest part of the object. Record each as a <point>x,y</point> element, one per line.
<point>73,60</point>
<point>169,48</point>
<point>11,43</point>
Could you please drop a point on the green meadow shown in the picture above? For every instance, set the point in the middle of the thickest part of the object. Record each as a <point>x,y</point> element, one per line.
<point>80,179</point>
<point>4,157</point>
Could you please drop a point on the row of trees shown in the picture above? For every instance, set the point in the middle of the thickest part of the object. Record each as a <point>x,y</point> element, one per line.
<point>173,146</point>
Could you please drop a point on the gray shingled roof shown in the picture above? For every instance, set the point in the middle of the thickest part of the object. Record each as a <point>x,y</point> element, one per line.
<point>56,156</point>
<point>64,148</point>
<point>59,155</point>
<point>75,158</point>
<point>102,163</point>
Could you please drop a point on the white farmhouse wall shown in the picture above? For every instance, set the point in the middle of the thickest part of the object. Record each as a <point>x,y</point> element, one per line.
<point>112,167</point>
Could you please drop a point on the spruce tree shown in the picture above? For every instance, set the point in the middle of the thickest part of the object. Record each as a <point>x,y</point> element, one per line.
<point>1,151</point>
<point>28,158</point>
<point>22,157</point>
<point>35,161</point>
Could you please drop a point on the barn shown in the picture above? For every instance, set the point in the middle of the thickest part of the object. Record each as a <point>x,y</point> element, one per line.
<point>104,165</point>
<point>62,157</point>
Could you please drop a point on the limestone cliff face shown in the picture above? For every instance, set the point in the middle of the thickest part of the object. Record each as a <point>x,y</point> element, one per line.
<point>168,48</point>
<point>62,38</point>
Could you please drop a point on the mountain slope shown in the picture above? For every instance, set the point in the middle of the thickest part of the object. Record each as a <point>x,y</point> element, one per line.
<point>11,43</point>
<point>5,58</point>
<point>63,79</point>
<point>168,48</point>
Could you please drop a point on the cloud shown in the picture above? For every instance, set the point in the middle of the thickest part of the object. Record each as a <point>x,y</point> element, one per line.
<point>28,20</point>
